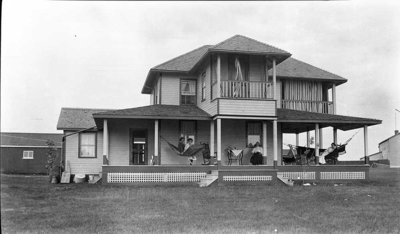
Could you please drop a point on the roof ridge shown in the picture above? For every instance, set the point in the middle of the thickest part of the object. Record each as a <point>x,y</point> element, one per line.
<point>251,39</point>
<point>201,47</point>
<point>83,108</point>
<point>315,67</point>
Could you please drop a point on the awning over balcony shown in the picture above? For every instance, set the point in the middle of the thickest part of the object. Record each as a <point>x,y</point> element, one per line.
<point>294,121</point>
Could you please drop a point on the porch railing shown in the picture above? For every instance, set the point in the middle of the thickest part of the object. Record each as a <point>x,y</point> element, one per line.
<point>311,106</point>
<point>246,89</point>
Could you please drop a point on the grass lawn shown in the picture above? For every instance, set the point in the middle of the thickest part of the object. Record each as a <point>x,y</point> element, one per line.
<point>31,204</point>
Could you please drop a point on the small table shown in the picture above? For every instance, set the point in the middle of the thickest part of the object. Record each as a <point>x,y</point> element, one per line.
<point>235,153</point>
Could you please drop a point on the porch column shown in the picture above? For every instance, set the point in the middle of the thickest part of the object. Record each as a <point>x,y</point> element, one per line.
<point>212,150</point>
<point>275,137</point>
<point>156,138</point>
<point>105,142</point>
<point>264,143</point>
<point>366,159</point>
<point>274,77</point>
<point>317,142</point>
<point>218,76</point>
<point>308,139</point>
<point>297,139</point>
<point>321,138</point>
<point>334,98</point>
<point>335,135</point>
<point>219,151</point>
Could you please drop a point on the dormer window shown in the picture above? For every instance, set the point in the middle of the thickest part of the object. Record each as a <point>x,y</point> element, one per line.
<point>188,92</point>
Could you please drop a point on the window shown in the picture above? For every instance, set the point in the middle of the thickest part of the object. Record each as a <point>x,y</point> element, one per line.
<point>27,155</point>
<point>87,145</point>
<point>188,92</point>
<point>188,129</point>
<point>254,133</point>
<point>203,86</point>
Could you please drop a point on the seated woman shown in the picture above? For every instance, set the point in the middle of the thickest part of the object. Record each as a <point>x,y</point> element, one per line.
<point>256,158</point>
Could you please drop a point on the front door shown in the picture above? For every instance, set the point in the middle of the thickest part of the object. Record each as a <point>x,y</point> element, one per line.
<point>139,147</point>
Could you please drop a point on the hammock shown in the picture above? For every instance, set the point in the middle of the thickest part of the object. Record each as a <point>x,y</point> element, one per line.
<point>191,151</point>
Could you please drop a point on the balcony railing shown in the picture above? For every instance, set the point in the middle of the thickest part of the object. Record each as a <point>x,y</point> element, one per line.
<point>246,89</point>
<point>311,106</point>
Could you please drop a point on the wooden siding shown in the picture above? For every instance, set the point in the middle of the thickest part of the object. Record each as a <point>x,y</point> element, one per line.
<point>170,90</point>
<point>247,107</point>
<point>170,131</point>
<point>12,161</point>
<point>83,165</point>
<point>256,68</point>
<point>119,139</point>
<point>207,105</point>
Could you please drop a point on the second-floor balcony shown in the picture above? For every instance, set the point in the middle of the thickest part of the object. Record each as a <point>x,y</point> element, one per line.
<point>311,106</point>
<point>246,89</point>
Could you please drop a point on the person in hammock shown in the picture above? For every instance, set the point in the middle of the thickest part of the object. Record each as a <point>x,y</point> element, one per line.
<point>187,147</point>
<point>181,145</point>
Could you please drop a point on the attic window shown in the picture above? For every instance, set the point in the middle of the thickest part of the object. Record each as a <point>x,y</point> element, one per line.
<point>188,92</point>
<point>27,155</point>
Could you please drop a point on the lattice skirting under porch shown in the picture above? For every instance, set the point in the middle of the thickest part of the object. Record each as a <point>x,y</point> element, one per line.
<point>302,175</point>
<point>115,177</point>
<point>342,175</point>
<point>247,178</point>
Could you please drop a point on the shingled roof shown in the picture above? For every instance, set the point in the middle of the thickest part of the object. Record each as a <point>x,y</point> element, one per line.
<point>301,121</point>
<point>13,139</point>
<point>157,112</point>
<point>242,44</point>
<point>293,68</point>
<point>77,118</point>
<point>286,67</point>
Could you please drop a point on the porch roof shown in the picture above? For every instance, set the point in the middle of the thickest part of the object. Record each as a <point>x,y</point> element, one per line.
<point>294,121</point>
<point>183,112</point>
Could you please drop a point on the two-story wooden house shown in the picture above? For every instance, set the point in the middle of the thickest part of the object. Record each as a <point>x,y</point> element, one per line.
<point>230,95</point>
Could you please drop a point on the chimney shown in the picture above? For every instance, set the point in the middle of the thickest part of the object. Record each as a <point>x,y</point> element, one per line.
<point>396,132</point>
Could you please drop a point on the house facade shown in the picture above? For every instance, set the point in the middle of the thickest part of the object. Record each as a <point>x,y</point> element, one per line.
<point>229,96</point>
<point>26,153</point>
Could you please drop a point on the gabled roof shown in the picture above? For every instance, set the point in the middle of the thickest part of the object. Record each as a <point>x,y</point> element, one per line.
<point>157,112</point>
<point>286,67</point>
<point>242,44</point>
<point>395,135</point>
<point>77,118</point>
<point>187,62</point>
<point>301,121</point>
<point>29,139</point>
<point>293,68</point>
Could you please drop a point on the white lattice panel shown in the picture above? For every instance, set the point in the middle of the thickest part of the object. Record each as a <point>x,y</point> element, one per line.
<point>302,175</point>
<point>247,178</point>
<point>127,177</point>
<point>342,175</point>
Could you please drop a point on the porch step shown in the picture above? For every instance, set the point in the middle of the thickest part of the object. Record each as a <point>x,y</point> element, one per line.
<point>209,179</point>
<point>287,181</point>
<point>96,179</point>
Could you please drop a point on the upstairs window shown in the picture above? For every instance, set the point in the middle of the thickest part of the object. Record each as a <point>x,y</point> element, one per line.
<point>188,92</point>
<point>87,145</point>
<point>27,155</point>
<point>203,86</point>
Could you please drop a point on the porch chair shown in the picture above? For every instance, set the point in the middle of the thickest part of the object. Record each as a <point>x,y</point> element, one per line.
<point>235,155</point>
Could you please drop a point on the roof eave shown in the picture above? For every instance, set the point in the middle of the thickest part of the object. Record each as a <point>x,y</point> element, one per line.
<point>337,82</point>
<point>101,116</point>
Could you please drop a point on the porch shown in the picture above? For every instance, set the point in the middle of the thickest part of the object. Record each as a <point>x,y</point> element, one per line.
<point>181,174</point>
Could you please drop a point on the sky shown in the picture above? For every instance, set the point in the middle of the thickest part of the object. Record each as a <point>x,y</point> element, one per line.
<point>97,54</point>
